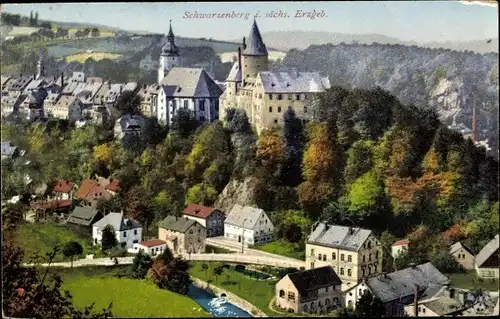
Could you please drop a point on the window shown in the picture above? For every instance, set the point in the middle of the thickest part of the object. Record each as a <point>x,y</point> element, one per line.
<point>370,257</point>
<point>334,256</point>
<point>305,109</point>
<point>270,109</point>
<point>275,121</point>
<point>289,96</point>
<point>282,293</point>
<point>270,96</point>
<point>369,245</point>
<point>342,257</point>
<point>376,254</point>
<point>291,295</point>
<point>342,271</point>
<point>202,119</point>
<point>364,258</point>
<point>185,104</point>
<point>349,272</point>
<point>279,109</point>
<point>202,105</point>
<point>135,231</point>
<point>324,257</point>
<point>349,258</point>
<point>360,291</point>
<point>305,96</point>
<point>124,234</point>
<point>280,96</point>
<point>191,231</point>
<point>312,252</point>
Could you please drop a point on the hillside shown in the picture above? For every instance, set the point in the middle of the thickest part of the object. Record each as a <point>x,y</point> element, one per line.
<point>442,80</point>
<point>287,40</point>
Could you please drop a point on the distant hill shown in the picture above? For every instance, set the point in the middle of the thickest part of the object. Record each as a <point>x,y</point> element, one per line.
<point>286,40</point>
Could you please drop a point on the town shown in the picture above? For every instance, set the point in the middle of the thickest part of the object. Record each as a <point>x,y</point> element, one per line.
<point>254,197</point>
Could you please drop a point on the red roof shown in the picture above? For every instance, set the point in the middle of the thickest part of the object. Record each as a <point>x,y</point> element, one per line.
<point>53,204</point>
<point>63,186</point>
<point>91,190</point>
<point>152,243</point>
<point>402,242</point>
<point>200,211</point>
<point>114,185</point>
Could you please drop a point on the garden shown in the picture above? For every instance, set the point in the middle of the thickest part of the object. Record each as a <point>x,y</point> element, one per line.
<point>282,247</point>
<point>470,280</point>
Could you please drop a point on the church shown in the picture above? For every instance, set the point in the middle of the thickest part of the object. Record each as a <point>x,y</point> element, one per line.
<point>180,87</point>
<point>266,94</point>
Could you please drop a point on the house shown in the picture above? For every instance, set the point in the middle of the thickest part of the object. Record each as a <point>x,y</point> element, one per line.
<point>114,186</point>
<point>91,191</point>
<point>463,255</point>
<point>84,216</point>
<point>248,224</point>
<point>44,209</point>
<point>399,247</point>
<point>149,99</point>
<point>94,33</point>
<point>16,88</point>
<point>32,106</point>
<point>487,261</point>
<point>64,190</point>
<point>314,291</point>
<point>9,150</point>
<point>67,107</point>
<point>182,235</point>
<point>129,125</point>
<point>62,33</point>
<point>354,253</point>
<point>127,231</point>
<point>152,247</point>
<point>398,289</point>
<point>210,218</point>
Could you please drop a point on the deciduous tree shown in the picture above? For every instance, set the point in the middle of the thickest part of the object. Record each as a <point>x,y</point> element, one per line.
<point>72,249</point>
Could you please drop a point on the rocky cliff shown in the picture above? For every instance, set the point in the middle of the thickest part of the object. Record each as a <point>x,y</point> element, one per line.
<point>236,192</point>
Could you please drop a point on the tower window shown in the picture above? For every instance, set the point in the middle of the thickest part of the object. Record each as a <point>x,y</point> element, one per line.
<point>275,121</point>
<point>270,109</point>
<point>280,96</point>
<point>279,109</point>
<point>270,96</point>
<point>305,109</point>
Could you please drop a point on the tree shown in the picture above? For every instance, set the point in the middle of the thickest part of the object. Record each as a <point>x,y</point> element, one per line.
<point>170,273</point>
<point>217,272</point>
<point>446,263</point>
<point>201,194</point>
<point>108,239</point>
<point>137,206</point>
<point>319,160</point>
<point>184,123</point>
<point>129,103</point>
<point>369,306</point>
<point>293,134</point>
<point>46,25</point>
<point>35,21</point>
<point>270,151</point>
<point>293,233</point>
<point>359,160</point>
<point>205,267</point>
<point>72,249</point>
<point>141,264</point>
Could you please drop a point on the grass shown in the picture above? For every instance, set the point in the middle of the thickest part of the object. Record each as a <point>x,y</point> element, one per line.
<point>469,280</point>
<point>97,56</point>
<point>218,250</point>
<point>257,292</point>
<point>130,297</point>
<point>41,238</point>
<point>283,248</point>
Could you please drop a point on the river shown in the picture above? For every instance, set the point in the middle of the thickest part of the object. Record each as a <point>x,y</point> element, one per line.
<point>216,306</point>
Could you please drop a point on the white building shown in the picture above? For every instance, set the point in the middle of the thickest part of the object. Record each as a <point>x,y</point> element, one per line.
<point>127,231</point>
<point>151,247</point>
<point>250,224</point>
<point>399,247</point>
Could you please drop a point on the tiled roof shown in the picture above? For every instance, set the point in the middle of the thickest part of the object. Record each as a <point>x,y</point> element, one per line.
<point>402,242</point>
<point>246,216</point>
<point>118,221</point>
<point>487,251</point>
<point>180,225</point>
<point>314,279</point>
<point>190,82</point>
<point>198,211</point>
<point>293,81</point>
<point>53,204</point>
<point>343,237</point>
<point>91,190</point>
<point>254,44</point>
<point>83,215</point>
<point>114,185</point>
<point>63,186</point>
<point>152,243</point>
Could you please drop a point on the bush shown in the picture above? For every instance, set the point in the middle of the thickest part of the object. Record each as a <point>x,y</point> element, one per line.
<point>117,252</point>
<point>239,267</point>
<point>446,263</point>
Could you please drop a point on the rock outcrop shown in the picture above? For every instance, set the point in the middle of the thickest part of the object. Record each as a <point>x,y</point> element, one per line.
<point>236,192</point>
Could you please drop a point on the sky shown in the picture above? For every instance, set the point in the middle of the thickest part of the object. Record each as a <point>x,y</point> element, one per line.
<point>420,21</point>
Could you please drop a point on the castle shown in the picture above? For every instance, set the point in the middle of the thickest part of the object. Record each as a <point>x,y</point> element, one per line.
<point>266,94</point>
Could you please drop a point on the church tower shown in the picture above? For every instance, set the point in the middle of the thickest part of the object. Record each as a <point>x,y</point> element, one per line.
<point>170,57</point>
<point>40,70</point>
<point>254,57</point>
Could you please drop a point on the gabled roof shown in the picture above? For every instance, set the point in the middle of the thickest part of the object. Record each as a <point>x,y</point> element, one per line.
<point>314,279</point>
<point>458,245</point>
<point>177,224</point>
<point>246,216</point>
<point>254,44</point>
<point>402,283</point>
<point>235,73</point>
<point>130,120</point>
<point>487,251</point>
<point>63,186</point>
<point>190,82</point>
<point>293,81</point>
<point>91,190</point>
<point>114,185</point>
<point>66,100</point>
<point>443,305</point>
<point>152,243</point>
<point>343,237</point>
<point>402,242</point>
<point>118,221</point>
<point>83,215</point>
<point>53,204</point>
<point>199,211</point>
<point>19,83</point>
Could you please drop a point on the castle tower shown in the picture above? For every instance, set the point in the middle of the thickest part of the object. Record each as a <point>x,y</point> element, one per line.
<point>170,57</point>
<point>254,57</point>
<point>40,70</point>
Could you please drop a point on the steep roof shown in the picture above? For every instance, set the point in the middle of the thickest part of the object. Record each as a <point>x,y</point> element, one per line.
<point>83,215</point>
<point>336,236</point>
<point>190,82</point>
<point>152,243</point>
<point>65,101</point>
<point>19,83</point>
<point>91,190</point>
<point>200,211</point>
<point>443,305</point>
<point>235,73</point>
<point>402,283</point>
<point>180,225</point>
<point>458,245</point>
<point>114,185</point>
<point>118,221</point>
<point>254,44</point>
<point>63,186</point>
<point>293,81</point>
<point>314,279</point>
<point>487,251</point>
<point>246,216</point>
<point>402,242</point>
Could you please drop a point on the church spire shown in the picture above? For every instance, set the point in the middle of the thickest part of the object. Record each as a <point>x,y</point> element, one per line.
<point>170,49</point>
<point>170,33</point>
<point>254,44</point>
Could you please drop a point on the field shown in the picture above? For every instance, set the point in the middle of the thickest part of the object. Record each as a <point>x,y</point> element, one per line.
<point>228,56</point>
<point>97,56</point>
<point>43,237</point>
<point>130,297</point>
<point>257,292</point>
<point>283,248</point>
<point>469,280</point>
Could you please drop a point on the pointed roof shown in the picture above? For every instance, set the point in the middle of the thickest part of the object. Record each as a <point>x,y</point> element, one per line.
<point>170,49</point>
<point>488,250</point>
<point>254,45</point>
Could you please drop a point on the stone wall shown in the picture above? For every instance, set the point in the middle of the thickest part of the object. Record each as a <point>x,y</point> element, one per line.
<point>232,298</point>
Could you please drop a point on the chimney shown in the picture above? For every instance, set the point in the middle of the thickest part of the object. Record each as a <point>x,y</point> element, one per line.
<point>239,58</point>
<point>244,43</point>
<point>474,121</point>
<point>415,301</point>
